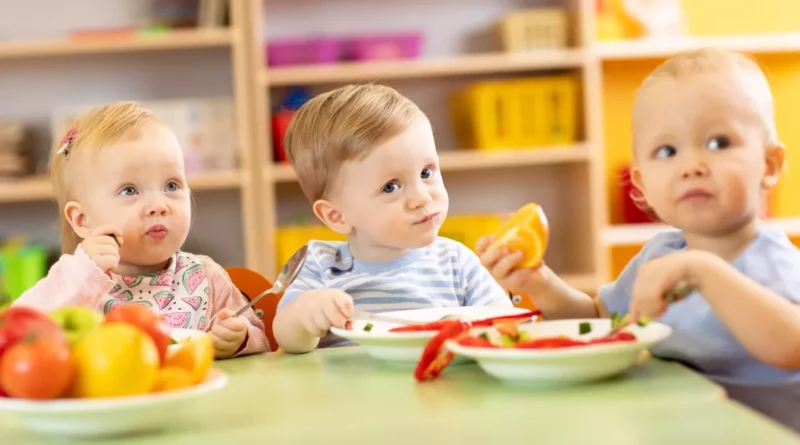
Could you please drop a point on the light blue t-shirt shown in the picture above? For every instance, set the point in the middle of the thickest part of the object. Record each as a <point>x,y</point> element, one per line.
<point>443,274</point>
<point>701,341</point>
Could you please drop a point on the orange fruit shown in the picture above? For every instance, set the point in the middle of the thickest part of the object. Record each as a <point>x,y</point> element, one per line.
<point>172,378</point>
<point>525,231</point>
<point>195,354</point>
<point>115,360</point>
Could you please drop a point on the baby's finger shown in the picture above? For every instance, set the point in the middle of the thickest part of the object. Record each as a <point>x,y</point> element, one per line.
<point>483,243</point>
<point>235,324</point>
<point>107,230</point>
<point>321,323</point>
<point>335,316</point>
<point>225,333</point>
<point>491,256</point>
<point>344,303</point>
<point>506,264</point>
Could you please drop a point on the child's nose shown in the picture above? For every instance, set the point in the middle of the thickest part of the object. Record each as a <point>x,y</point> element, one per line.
<point>696,167</point>
<point>420,199</point>
<point>157,208</point>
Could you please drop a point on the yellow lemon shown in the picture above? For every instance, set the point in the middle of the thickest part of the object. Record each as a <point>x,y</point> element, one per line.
<point>115,360</point>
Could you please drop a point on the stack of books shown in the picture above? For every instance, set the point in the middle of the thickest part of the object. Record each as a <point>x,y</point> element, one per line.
<point>14,159</point>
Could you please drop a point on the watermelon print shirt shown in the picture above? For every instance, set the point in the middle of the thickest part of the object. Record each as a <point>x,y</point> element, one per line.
<point>187,293</point>
<point>179,294</point>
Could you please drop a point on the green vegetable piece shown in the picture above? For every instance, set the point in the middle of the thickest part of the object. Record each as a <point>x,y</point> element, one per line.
<point>643,321</point>
<point>368,327</point>
<point>507,341</point>
<point>484,335</point>
<point>584,328</point>
<point>524,336</point>
<point>172,341</point>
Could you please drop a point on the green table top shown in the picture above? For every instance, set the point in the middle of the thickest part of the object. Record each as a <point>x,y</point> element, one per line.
<point>343,396</point>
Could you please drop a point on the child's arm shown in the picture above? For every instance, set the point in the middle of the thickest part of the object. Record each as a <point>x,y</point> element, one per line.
<point>225,297</point>
<point>765,323</point>
<point>74,280</point>
<point>480,288</point>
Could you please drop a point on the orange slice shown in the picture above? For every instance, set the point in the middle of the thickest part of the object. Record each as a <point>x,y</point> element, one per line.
<point>525,231</point>
<point>196,355</point>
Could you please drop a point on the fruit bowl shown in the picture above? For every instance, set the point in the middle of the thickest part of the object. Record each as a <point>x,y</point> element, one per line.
<point>85,418</point>
<point>563,365</point>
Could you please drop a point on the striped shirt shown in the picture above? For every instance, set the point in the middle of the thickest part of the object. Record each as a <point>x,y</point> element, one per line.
<point>443,274</point>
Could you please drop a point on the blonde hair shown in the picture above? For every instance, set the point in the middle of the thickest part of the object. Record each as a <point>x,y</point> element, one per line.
<point>342,125</point>
<point>710,60</point>
<point>85,136</point>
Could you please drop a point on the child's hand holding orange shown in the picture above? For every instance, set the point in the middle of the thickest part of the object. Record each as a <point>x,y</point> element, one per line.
<point>514,254</point>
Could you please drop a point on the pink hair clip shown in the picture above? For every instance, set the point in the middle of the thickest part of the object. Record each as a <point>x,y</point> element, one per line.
<point>66,142</point>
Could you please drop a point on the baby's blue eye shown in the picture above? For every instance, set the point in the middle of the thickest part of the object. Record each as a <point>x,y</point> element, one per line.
<point>665,151</point>
<point>718,143</point>
<point>128,191</point>
<point>391,187</point>
<point>172,186</point>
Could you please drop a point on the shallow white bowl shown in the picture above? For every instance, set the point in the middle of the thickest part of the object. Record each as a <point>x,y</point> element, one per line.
<point>85,418</point>
<point>562,366</point>
<point>405,348</point>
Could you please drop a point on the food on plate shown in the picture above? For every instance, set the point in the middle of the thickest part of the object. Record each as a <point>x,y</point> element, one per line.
<point>37,367</point>
<point>75,352</point>
<point>147,321</point>
<point>439,324</point>
<point>76,321</point>
<point>115,360</point>
<point>171,378</point>
<point>368,327</point>
<point>196,355</point>
<point>526,231</point>
<point>435,357</point>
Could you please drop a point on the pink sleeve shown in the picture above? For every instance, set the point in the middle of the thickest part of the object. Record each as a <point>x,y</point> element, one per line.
<point>223,294</point>
<point>74,280</point>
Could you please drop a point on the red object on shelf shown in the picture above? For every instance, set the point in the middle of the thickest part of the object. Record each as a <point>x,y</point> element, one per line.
<point>280,122</point>
<point>631,213</point>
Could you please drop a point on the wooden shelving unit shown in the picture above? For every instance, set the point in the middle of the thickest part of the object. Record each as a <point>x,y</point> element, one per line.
<point>572,177</point>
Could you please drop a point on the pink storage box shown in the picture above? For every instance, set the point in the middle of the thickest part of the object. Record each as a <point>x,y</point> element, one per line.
<point>319,50</point>
<point>384,46</point>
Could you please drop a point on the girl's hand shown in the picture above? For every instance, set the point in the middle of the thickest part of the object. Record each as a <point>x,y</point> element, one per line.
<point>501,264</point>
<point>658,277</point>
<point>228,333</point>
<point>103,248</point>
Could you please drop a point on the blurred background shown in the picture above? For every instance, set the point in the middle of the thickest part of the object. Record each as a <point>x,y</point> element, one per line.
<point>530,101</point>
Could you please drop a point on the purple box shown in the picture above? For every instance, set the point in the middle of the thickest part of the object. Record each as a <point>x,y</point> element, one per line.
<point>319,50</point>
<point>383,46</point>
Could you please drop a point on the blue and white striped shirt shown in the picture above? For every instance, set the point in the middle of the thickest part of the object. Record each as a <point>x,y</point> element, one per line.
<point>443,274</point>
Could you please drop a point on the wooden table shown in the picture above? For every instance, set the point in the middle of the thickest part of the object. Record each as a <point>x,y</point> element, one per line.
<point>341,396</point>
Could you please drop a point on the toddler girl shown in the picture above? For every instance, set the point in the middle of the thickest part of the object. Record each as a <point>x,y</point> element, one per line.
<point>706,151</point>
<point>125,212</point>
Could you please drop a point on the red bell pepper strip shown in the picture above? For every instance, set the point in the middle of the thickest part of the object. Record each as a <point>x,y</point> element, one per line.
<point>439,324</point>
<point>435,357</point>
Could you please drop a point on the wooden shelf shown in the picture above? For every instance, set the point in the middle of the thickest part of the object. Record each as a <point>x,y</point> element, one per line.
<point>638,234</point>
<point>467,160</point>
<point>656,49</point>
<point>37,188</point>
<point>173,40</point>
<point>406,69</point>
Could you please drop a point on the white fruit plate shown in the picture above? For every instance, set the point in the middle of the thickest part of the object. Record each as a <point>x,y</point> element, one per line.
<point>87,418</point>
<point>562,366</point>
<point>405,348</point>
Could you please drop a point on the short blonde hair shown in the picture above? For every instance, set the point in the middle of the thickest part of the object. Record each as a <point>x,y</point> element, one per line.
<point>342,125</point>
<point>86,135</point>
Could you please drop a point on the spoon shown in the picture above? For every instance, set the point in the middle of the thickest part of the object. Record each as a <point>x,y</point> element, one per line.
<point>679,291</point>
<point>288,274</point>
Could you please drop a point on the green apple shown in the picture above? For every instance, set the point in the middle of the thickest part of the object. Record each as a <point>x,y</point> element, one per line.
<point>76,321</point>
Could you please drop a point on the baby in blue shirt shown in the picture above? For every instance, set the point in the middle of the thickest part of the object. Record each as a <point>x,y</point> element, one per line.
<point>366,159</point>
<point>706,151</point>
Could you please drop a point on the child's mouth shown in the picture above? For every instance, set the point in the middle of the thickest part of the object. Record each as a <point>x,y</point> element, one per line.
<point>427,218</point>
<point>157,232</point>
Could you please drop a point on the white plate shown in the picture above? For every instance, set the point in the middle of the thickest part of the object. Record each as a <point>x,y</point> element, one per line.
<point>405,348</point>
<point>563,366</point>
<point>86,418</point>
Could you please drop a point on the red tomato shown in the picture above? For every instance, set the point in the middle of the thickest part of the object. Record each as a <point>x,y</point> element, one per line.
<point>18,322</point>
<point>145,320</point>
<point>38,368</point>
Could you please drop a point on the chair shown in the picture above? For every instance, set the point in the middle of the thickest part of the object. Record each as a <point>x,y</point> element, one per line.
<point>251,283</point>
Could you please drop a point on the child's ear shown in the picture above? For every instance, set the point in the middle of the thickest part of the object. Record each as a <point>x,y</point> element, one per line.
<point>774,159</point>
<point>636,179</point>
<point>331,216</point>
<point>74,213</point>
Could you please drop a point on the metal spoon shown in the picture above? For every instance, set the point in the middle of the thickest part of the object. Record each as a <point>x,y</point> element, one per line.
<point>288,274</point>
